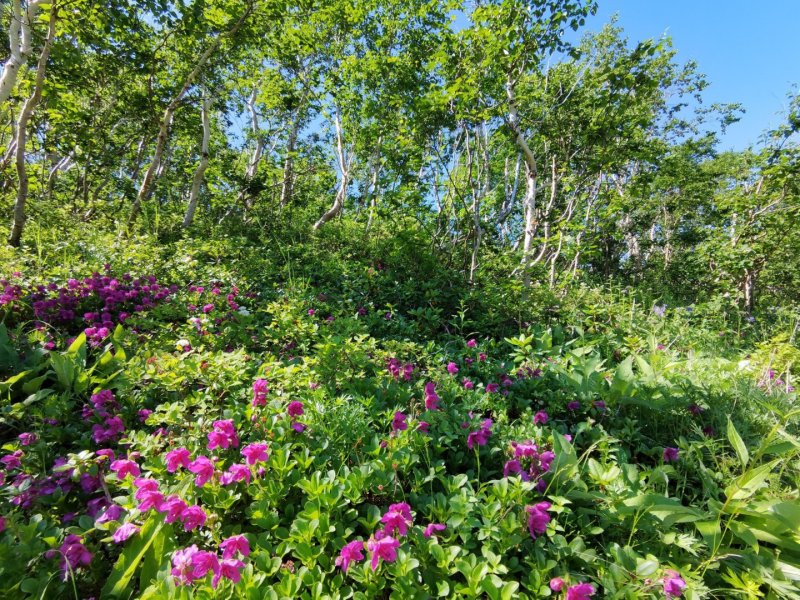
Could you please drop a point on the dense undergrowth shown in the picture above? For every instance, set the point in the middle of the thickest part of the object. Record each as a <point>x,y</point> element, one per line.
<point>223,419</point>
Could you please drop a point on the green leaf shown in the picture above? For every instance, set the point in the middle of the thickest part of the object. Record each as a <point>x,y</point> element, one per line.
<point>738,445</point>
<point>118,583</point>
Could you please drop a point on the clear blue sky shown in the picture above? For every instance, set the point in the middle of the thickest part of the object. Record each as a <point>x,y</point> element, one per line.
<point>748,49</point>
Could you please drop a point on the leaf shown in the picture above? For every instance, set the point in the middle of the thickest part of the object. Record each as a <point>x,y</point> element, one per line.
<point>750,482</point>
<point>118,583</point>
<point>738,445</point>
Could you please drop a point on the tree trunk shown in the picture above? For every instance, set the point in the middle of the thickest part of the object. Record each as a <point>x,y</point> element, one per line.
<point>197,181</point>
<point>22,131</point>
<point>344,161</point>
<point>287,186</point>
<point>19,41</point>
<point>149,179</point>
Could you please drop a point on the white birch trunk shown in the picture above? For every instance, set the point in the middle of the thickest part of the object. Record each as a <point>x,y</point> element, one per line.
<point>22,131</point>
<point>197,180</point>
<point>344,161</point>
<point>19,38</point>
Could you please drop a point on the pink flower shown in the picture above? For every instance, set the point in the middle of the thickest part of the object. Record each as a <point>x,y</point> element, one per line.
<point>482,356</point>
<point>423,426</point>
<point>468,385</point>
<point>234,544</point>
<point>174,508</point>
<point>480,437</point>
<point>471,343</point>
<point>540,418</point>
<point>255,453</point>
<point>229,568</point>
<point>538,518</point>
<point>26,439</point>
<point>581,591</point>
<point>150,499</point>
<point>670,454</point>
<point>112,513</point>
<point>295,409</point>
<point>432,528</point>
<point>2,524</point>
<point>179,457</point>
<point>208,308</point>
<point>223,435</point>
<point>124,532</point>
<point>143,484</point>
<point>399,423</point>
<point>193,516</point>
<point>182,567</point>
<point>350,553</point>
<point>125,467</point>
<point>556,584</point>
<point>431,398</point>
<point>384,547</point>
<point>237,472</point>
<point>73,555</point>
<point>452,368</point>
<point>673,584</point>
<point>203,468</point>
<point>299,427</point>
<point>574,405</point>
<point>397,519</point>
<point>260,391</point>
<point>492,388</point>
<point>203,562</point>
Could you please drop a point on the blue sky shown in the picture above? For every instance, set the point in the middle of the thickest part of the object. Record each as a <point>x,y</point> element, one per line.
<point>748,49</point>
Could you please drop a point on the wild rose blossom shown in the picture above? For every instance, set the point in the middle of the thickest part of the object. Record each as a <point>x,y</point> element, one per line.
<point>73,555</point>
<point>124,467</point>
<point>471,343</point>
<point>538,518</point>
<point>540,418</point>
<point>229,568</point>
<point>260,391</point>
<point>431,398</point>
<point>179,457</point>
<point>182,567</point>
<point>351,552</point>
<point>397,519</point>
<point>433,528</point>
<point>223,435</point>
<point>556,584</point>
<point>580,591</point>
<point>295,409</point>
<point>382,547</point>
<point>481,436</point>
<point>124,532</point>
<point>399,422</point>
<point>193,516</point>
<point>452,368</point>
<point>203,468</point>
<point>670,454</point>
<point>174,508</point>
<point>255,453</point>
<point>26,439</point>
<point>233,545</point>
<point>237,472</point>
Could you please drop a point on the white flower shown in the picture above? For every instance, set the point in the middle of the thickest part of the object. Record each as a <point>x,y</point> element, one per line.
<point>181,344</point>
<point>243,311</point>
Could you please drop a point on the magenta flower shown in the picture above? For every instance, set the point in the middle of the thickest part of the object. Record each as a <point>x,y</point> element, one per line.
<point>540,418</point>
<point>174,508</point>
<point>204,561</point>
<point>670,454</point>
<point>399,423</point>
<point>125,467</point>
<point>467,383</point>
<point>149,499</point>
<point>574,405</point>
<point>350,553</point>
<point>556,584</point>
<point>223,435</point>
<point>124,532</point>
<point>260,391</point>
<point>295,409</point>
<point>233,545</point>
<point>481,436</point>
<point>2,524</point>
<point>112,513</point>
<point>255,453</point>
<point>382,547</point>
<point>433,528</point>
<point>482,356</point>
<point>512,467</point>
<point>299,427</point>
<point>26,439</point>
<point>237,472</point>
<point>492,388</point>
<point>73,555</point>
<point>203,468</point>
<point>538,518</point>
<point>182,567</point>
<point>193,516</point>
<point>452,368</point>
<point>311,312</point>
<point>423,426</point>
<point>673,584</point>
<point>431,398</point>
<point>208,308</point>
<point>471,343</point>
<point>581,591</point>
<point>397,519</point>
<point>179,457</point>
<point>229,568</point>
